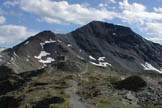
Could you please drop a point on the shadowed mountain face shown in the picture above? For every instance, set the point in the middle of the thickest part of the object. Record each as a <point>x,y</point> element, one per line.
<point>120,45</point>
<point>37,52</point>
<point>101,44</point>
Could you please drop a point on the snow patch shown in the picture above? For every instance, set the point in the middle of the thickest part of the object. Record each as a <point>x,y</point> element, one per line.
<point>148,66</point>
<point>80,50</point>
<point>15,54</point>
<point>46,42</point>
<point>48,60</point>
<point>101,58</point>
<point>91,57</point>
<point>44,65</point>
<point>50,41</point>
<point>42,54</point>
<point>59,41</point>
<point>101,64</point>
<point>80,57</point>
<point>160,70</point>
<point>69,45</point>
<point>12,58</point>
<point>26,42</point>
<point>27,60</point>
<point>114,33</point>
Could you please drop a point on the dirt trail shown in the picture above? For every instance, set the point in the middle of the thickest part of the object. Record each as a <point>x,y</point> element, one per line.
<point>74,98</point>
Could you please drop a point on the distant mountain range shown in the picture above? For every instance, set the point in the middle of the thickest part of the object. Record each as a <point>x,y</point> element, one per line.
<point>101,44</point>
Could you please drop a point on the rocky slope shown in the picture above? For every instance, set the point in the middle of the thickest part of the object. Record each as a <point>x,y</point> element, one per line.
<point>95,88</point>
<point>37,52</point>
<point>120,46</point>
<point>101,44</point>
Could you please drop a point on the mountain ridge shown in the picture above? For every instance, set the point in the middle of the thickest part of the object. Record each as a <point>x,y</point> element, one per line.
<point>119,45</point>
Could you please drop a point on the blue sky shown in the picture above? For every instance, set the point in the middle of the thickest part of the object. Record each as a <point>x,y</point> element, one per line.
<point>20,19</point>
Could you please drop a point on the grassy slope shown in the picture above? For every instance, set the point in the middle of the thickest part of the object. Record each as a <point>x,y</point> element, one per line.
<point>94,88</point>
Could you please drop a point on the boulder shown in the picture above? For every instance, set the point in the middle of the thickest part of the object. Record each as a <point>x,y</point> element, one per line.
<point>9,81</point>
<point>45,103</point>
<point>9,102</point>
<point>132,83</point>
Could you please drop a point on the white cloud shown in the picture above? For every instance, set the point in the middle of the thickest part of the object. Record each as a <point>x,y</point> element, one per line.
<point>155,31</point>
<point>149,21</point>
<point>109,1</point>
<point>103,5</point>
<point>11,2</point>
<point>63,12</point>
<point>159,10</point>
<point>2,19</point>
<point>11,34</point>
<point>113,1</point>
<point>136,12</point>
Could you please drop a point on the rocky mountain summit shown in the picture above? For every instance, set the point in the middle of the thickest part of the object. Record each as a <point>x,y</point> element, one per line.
<point>119,45</point>
<point>98,43</point>
<point>98,65</point>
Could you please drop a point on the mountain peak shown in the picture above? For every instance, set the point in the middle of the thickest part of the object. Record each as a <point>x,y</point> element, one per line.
<point>107,25</point>
<point>110,32</point>
<point>99,23</point>
<point>103,28</point>
<point>47,32</point>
